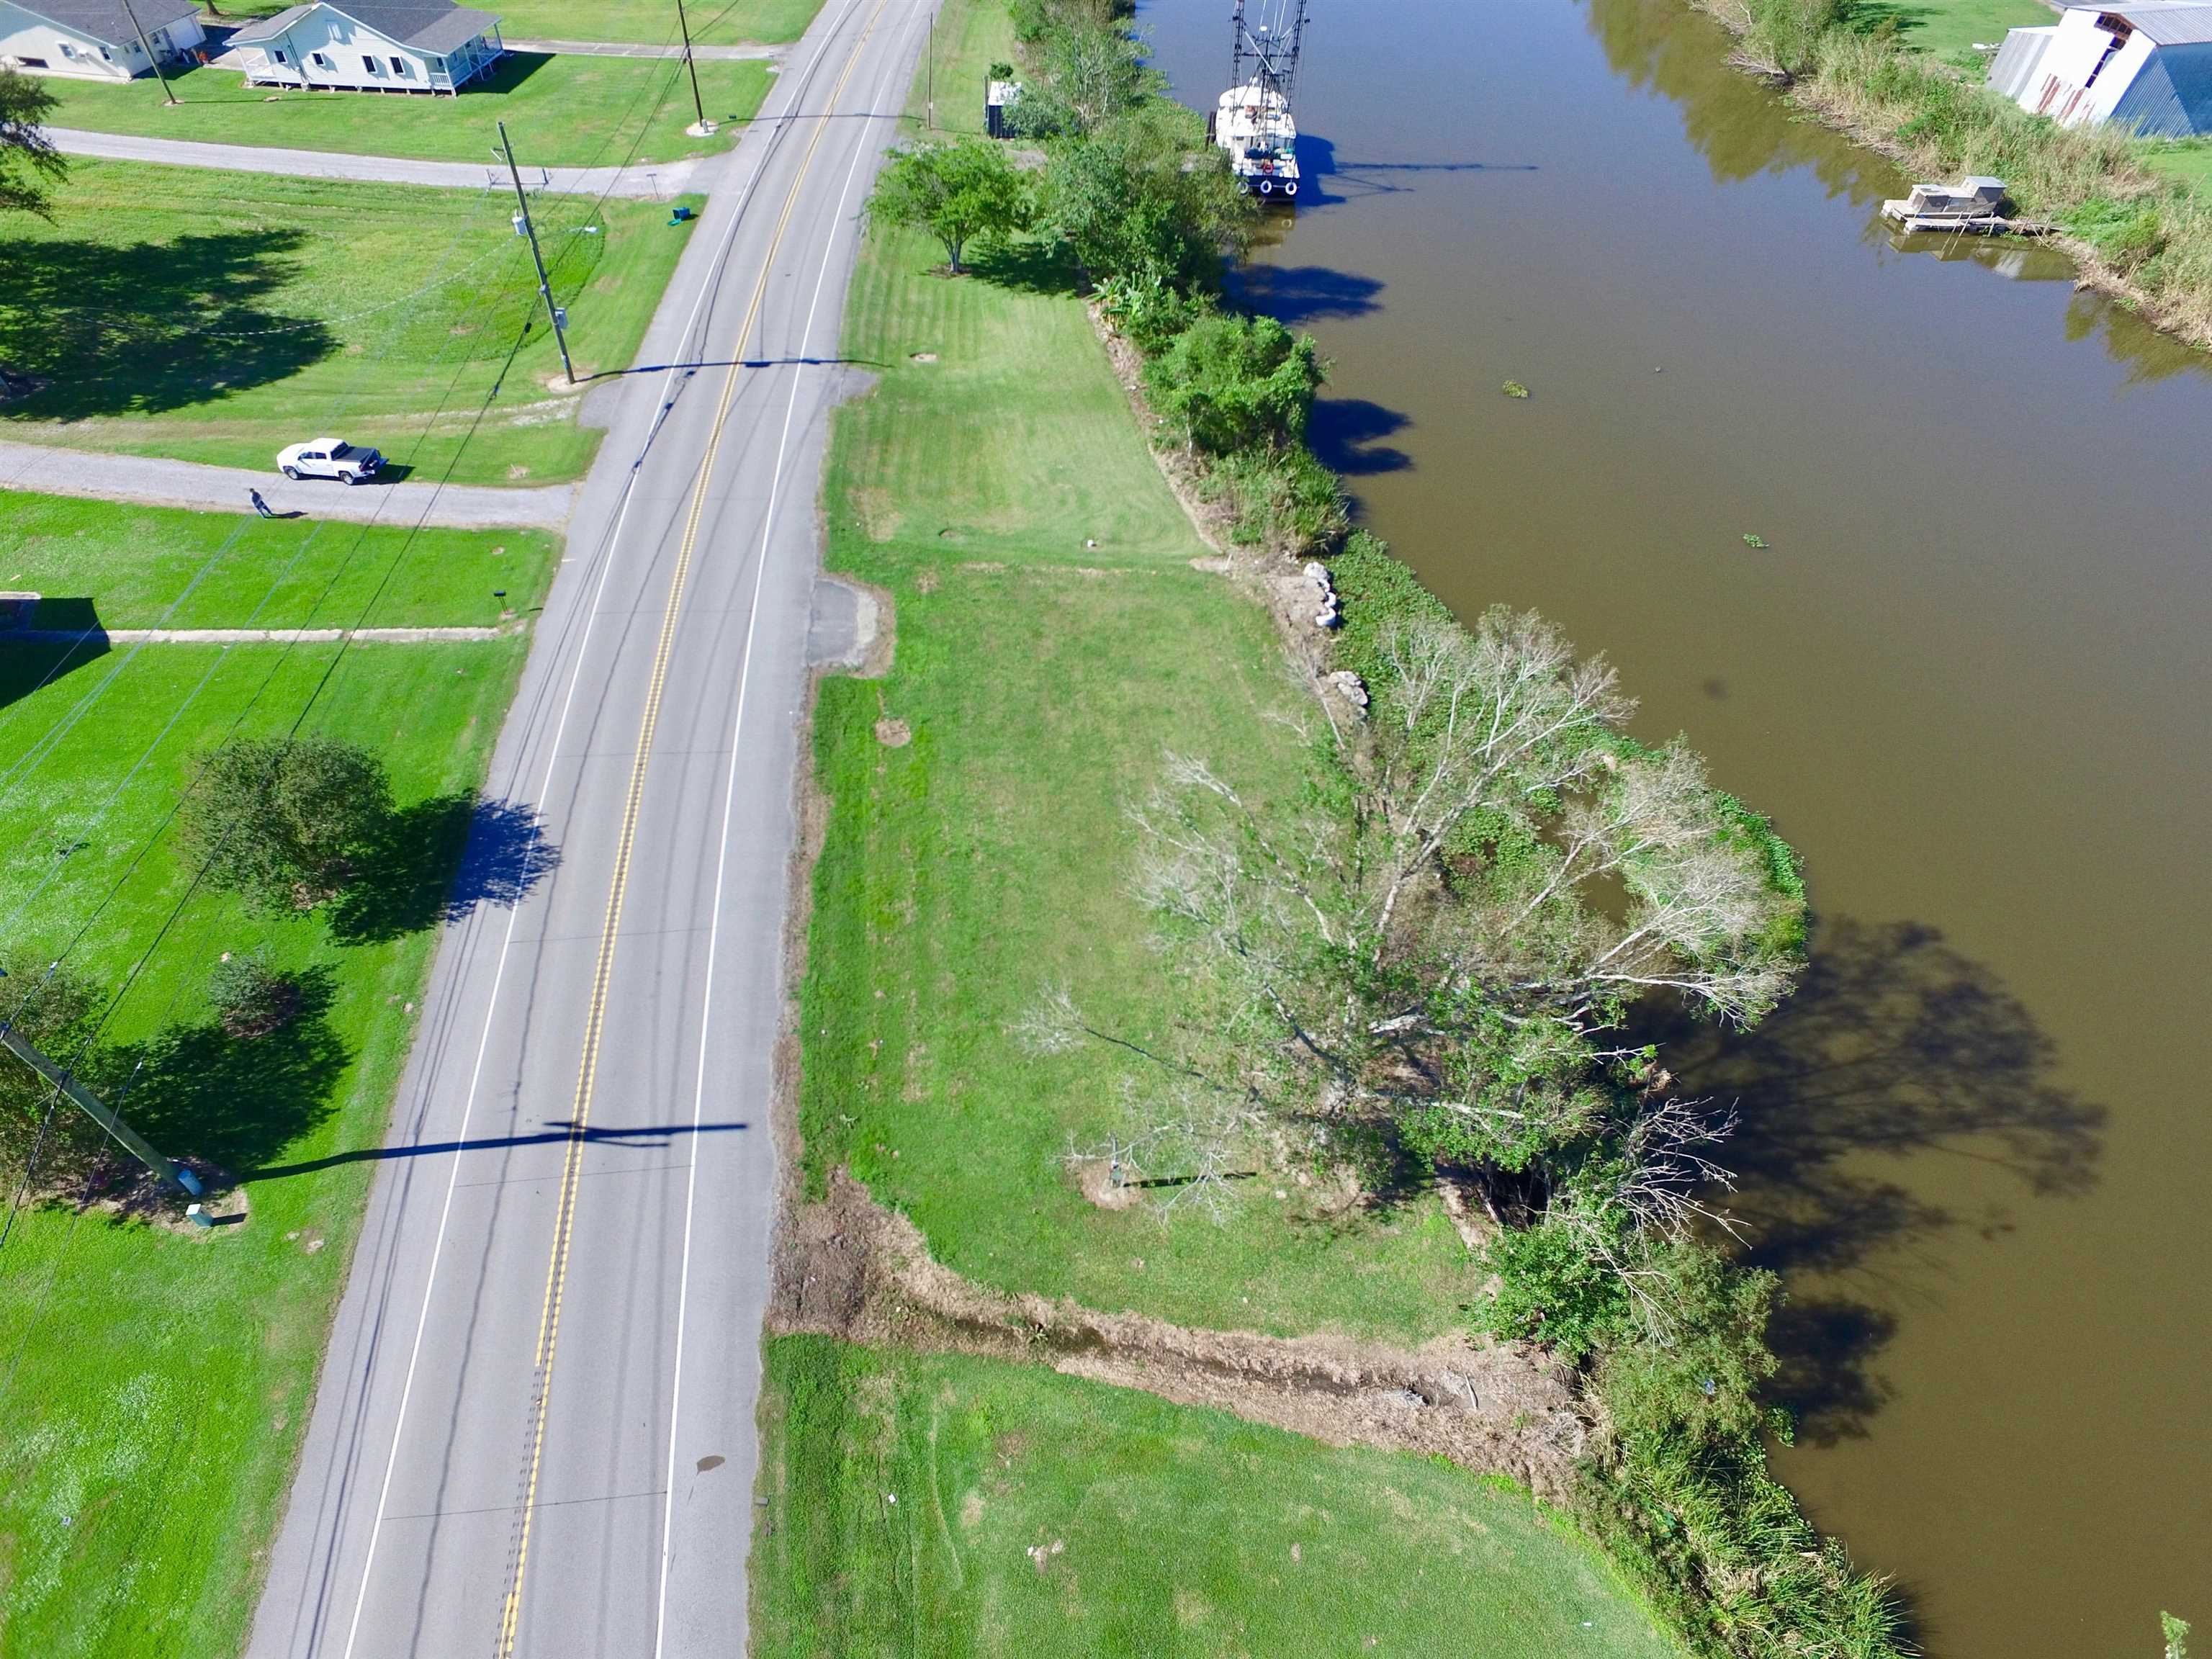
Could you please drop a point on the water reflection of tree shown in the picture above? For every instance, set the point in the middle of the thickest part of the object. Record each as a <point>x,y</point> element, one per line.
<point>1895,1044</point>
<point>1738,125</point>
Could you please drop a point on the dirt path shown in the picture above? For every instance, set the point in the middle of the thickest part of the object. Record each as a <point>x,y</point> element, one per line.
<point>848,1268</point>
<point>54,470</point>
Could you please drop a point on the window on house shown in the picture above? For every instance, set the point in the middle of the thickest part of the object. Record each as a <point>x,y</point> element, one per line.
<point>371,64</point>
<point>399,68</point>
<point>280,57</point>
<point>33,63</point>
<point>319,61</point>
<point>68,51</point>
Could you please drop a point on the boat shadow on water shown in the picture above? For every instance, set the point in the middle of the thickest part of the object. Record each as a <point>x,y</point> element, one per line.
<point>1894,1045</point>
<point>1325,181</point>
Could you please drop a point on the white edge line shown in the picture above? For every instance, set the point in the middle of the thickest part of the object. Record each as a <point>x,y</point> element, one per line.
<point>715,924</point>
<point>707,287</point>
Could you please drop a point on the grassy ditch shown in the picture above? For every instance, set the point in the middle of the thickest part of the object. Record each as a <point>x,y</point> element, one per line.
<point>155,1382</point>
<point>1063,1516</point>
<point>2132,212</point>
<point>218,317</point>
<point>559,111</point>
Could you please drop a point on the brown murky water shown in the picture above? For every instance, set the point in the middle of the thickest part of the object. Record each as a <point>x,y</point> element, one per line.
<point>1968,676</point>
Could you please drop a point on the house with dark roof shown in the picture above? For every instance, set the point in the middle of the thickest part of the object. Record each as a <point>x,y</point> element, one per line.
<point>2146,66</point>
<point>369,45</point>
<point>95,39</point>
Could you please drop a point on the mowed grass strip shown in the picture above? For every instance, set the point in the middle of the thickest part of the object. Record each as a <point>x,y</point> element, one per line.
<point>218,317</point>
<point>559,111</point>
<point>766,22</point>
<point>123,565</point>
<point>155,1385</point>
<point>985,857</point>
<point>945,1505</point>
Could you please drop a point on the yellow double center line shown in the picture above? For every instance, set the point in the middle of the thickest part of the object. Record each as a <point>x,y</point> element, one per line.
<point>557,1274</point>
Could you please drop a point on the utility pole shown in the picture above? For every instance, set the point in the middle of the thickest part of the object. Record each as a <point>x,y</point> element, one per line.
<point>929,78</point>
<point>683,23</point>
<point>544,286</point>
<point>173,1174</point>
<point>132,12</point>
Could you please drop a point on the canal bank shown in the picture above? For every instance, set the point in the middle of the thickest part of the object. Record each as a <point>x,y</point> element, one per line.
<point>1963,672</point>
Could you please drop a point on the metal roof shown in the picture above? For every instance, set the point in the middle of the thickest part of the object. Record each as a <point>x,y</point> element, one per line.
<point>2164,22</point>
<point>431,26</point>
<point>105,20</point>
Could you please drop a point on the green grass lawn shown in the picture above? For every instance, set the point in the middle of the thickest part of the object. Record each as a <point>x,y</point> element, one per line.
<point>2189,159</point>
<point>991,858</point>
<point>145,567</point>
<point>1165,1530</point>
<point>719,23</point>
<point>173,311</point>
<point>155,1385</point>
<point>1949,28</point>
<point>559,110</point>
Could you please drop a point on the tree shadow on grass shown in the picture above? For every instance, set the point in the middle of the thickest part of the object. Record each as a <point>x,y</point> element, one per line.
<point>1027,265</point>
<point>148,327</point>
<point>1895,1044</point>
<point>197,1091</point>
<point>436,861</point>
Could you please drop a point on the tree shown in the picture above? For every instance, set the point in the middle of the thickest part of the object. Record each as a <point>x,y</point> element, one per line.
<point>285,821</point>
<point>28,160</point>
<point>2176,1631</point>
<point>1442,945</point>
<point>1143,196</point>
<point>957,192</point>
<point>252,999</point>
<point>1233,382</point>
<point>1088,72</point>
<point>47,1004</point>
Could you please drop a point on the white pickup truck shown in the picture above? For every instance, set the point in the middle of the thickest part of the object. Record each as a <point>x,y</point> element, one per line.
<point>329,457</point>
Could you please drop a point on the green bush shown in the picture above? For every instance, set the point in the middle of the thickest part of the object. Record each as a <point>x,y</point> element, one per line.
<point>1231,383</point>
<point>1282,500</point>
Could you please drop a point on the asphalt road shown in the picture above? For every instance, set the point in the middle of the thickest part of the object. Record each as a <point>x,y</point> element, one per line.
<point>534,1430</point>
<point>164,482</point>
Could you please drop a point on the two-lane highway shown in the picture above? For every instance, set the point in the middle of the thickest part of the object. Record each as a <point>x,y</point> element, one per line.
<point>534,1431</point>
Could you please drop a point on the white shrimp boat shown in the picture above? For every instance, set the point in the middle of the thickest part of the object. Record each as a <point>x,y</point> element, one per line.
<point>1252,120</point>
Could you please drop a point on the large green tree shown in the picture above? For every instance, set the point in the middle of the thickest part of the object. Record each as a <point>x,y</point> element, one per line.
<point>29,163</point>
<point>957,192</point>
<point>1144,197</point>
<point>285,821</point>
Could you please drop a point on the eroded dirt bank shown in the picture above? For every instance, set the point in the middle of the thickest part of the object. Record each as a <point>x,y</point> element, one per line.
<point>847,1267</point>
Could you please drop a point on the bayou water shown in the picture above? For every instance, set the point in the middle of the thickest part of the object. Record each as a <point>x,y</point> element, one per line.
<point>1967,674</point>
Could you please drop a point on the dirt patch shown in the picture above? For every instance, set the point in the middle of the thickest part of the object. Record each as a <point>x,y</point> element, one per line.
<point>893,734</point>
<point>847,1268</point>
<point>1094,1179</point>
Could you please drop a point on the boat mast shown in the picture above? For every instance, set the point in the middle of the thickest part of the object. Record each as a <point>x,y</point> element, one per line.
<point>1272,48</point>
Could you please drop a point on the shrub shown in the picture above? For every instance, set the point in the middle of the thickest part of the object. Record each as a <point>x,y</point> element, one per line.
<point>251,998</point>
<point>1282,500</point>
<point>1232,382</point>
<point>285,822</point>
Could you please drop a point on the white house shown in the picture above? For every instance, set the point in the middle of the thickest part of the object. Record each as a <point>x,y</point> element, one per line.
<point>94,39</point>
<point>2147,65</point>
<point>369,45</point>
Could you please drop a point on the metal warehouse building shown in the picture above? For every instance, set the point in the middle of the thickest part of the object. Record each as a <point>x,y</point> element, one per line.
<point>2147,66</point>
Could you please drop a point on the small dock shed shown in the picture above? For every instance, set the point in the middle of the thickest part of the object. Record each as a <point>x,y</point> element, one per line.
<point>370,46</point>
<point>2147,66</point>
